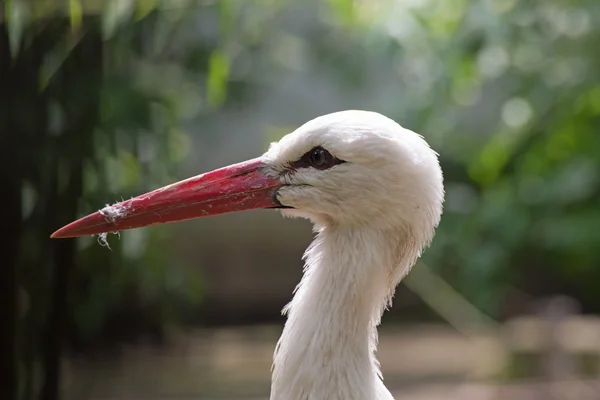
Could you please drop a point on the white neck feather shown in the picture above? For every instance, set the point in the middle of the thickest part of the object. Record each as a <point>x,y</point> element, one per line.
<point>326,351</point>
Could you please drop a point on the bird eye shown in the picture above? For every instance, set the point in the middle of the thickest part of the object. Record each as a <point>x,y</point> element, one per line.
<point>320,158</point>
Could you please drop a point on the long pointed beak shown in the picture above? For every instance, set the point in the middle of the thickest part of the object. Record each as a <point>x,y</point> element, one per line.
<point>238,187</point>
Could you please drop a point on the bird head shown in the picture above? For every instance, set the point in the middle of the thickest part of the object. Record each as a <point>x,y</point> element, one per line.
<point>353,168</point>
<point>358,168</point>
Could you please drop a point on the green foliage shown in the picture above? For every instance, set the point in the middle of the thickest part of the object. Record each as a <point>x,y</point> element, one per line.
<point>530,200</point>
<point>218,73</point>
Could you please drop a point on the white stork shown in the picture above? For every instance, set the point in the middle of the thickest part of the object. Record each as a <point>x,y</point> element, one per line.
<point>374,192</point>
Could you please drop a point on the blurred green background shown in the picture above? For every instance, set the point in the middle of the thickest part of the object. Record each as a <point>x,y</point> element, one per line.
<point>104,100</point>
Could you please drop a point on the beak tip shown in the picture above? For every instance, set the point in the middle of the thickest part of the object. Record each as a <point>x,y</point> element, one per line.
<point>89,225</point>
<point>57,235</point>
<point>67,231</point>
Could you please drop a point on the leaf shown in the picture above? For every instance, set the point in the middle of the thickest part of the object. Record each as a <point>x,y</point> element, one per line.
<point>17,18</point>
<point>344,10</point>
<point>218,74</point>
<point>130,169</point>
<point>75,13</point>
<point>144,7</point>
<point>115,14</point>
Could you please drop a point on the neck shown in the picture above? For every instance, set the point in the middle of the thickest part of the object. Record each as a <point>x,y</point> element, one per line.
<point>327,347</point>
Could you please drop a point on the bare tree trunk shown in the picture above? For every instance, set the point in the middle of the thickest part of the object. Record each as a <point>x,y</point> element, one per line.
<point>10,204</point>
<point>9,248</point>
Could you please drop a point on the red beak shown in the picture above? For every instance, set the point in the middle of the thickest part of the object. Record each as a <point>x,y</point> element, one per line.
<point>239,187</point>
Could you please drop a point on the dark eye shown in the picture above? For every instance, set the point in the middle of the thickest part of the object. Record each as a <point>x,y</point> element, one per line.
<point>320,158</point>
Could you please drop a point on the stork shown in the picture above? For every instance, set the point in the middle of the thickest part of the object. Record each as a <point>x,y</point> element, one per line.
<point>374,193</point>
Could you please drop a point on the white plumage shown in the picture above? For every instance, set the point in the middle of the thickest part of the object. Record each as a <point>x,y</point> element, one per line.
<point>373,214</point>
